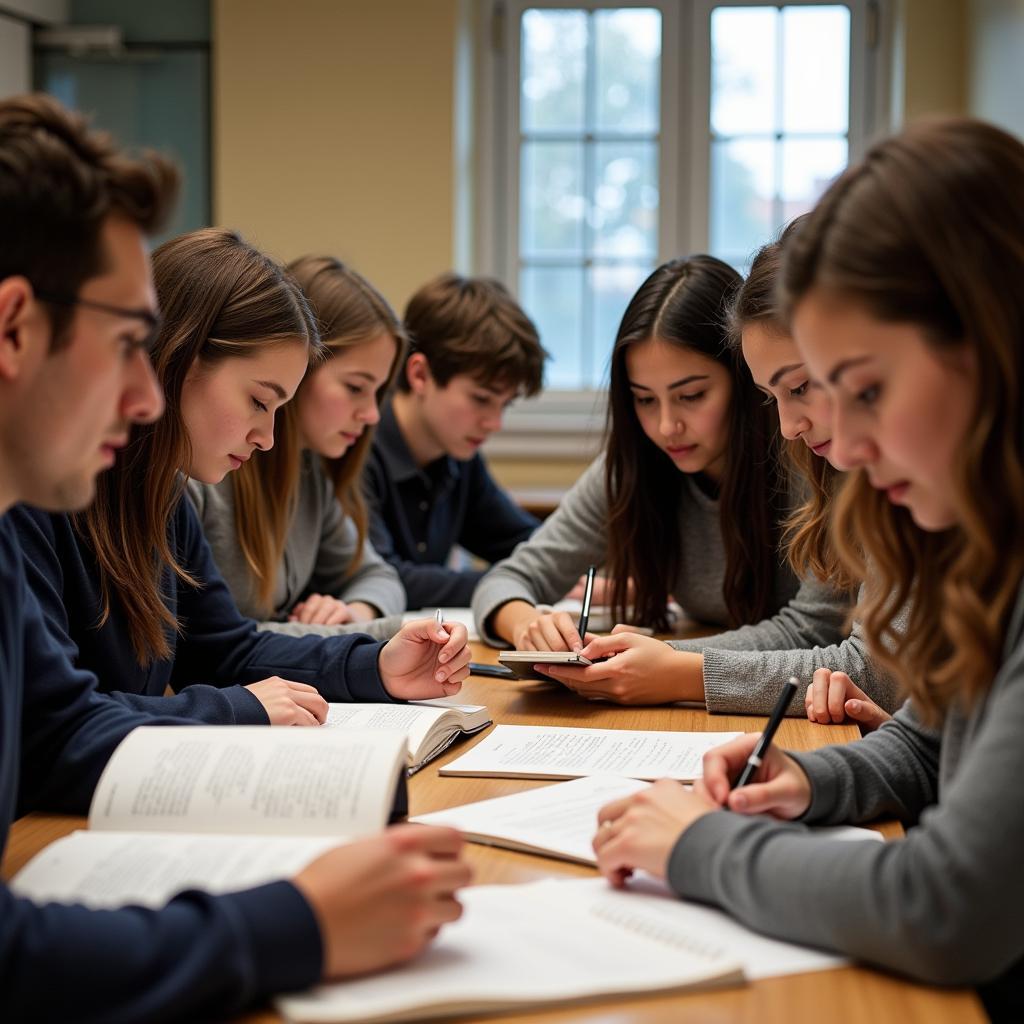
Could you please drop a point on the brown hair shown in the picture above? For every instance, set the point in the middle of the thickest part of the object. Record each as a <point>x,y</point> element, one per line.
<point>928,229</point>
<point>349,311</point>
<point>59,182</point>
<point>473,325</point>
<point>683,303</point>
<point>221,299</point>
<point>806,533</point>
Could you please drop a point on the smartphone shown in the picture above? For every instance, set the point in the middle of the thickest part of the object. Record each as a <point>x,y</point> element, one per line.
<point>477,668</point>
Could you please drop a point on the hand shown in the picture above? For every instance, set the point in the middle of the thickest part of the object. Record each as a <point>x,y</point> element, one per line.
<point>288,703</point>
<point>321,610</point>
<point>780,787</point>
<point>639,670</point>
<point>379,901</point>
<point>639,831</point>
<point>833,697</point>
<point>424,660</point>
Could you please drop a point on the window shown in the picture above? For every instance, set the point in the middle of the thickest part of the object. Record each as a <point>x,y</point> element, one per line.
<point>589,98</point>
<point>622,134</point>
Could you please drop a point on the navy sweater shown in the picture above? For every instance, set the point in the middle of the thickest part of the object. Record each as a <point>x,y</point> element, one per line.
<point>200,956</point>
<point>418,515</point>
<point>219,650</point>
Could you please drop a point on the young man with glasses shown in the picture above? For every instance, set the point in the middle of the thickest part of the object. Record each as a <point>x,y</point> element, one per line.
<point>77,309</point>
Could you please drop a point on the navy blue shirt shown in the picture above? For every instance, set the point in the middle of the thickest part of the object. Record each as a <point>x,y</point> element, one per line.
<point>418,515</point>
<point>200,956</point>
<point>218,650</point>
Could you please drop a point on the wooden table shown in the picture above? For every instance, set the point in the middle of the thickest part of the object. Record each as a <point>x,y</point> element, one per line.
<point>845,996</point>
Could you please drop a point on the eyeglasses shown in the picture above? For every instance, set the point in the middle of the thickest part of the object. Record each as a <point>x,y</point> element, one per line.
<point>151,320</point>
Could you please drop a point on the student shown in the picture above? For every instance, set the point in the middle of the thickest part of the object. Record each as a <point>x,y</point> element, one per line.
<point>474,351</point>
<point>74,372</point>
<point>288,530</point>
<point>130,586</point>
<point>779,372</point>
<point>688,499</point>
<point>905,299</point>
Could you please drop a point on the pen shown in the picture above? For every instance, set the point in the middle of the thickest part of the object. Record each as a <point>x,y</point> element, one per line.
<point>778,713</point>
<point>588,593</point>
<point>439,619</point>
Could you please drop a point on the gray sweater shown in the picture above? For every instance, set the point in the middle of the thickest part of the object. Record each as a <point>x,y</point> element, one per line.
<point>319,549</point>
<point>945,903</point>
<point>744,666</point>
<point>806,629</point>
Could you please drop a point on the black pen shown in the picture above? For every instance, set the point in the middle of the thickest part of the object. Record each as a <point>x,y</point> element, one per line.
<point>588,593</point>
<point>778,713</point>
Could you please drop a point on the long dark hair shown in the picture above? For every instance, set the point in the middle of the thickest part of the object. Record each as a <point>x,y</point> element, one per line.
<point>684,303</point>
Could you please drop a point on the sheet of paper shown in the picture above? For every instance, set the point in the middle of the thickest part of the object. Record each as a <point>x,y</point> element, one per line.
<point>114,869</point>
<point>521,945</point>
<point>561,818</point>
<point>249,779</point>
<point>554,752</point>
<point>760,956</point>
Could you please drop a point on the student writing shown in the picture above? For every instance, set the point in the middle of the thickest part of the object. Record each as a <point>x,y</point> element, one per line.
<point>905,303</point>
<point>689,499</point>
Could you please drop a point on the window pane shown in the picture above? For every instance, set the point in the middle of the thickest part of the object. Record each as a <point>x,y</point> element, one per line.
<point>742,188</point>
<point>624,214</point>
<point>808,166</point>
<point>553,70</point>
<point>611,289</point>
<point>628,69</point>
<point>552,200</point>
<point>553,297</point>
<point>816,69</point>
<point>743,84</point>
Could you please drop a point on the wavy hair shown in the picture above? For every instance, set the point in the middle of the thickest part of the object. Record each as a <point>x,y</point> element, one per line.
<point>220,299</point>
<point>683,303</point>
<point>928,229</point>
<point>349,312</point>
<point>806,533</point>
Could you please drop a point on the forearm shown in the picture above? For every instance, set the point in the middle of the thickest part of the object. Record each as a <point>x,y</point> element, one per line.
<point>749,681</point>
<point>199,957</point>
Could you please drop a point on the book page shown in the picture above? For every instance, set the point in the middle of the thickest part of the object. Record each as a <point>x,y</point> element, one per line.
<point>113,869</point>
<point>413,720</point>
<point>249,779</point>
<point>560,819</point>
<point>426,723</point>
<point>529,945</point>
<point>552,752</point>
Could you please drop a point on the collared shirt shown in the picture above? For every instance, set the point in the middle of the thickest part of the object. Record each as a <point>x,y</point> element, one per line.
<point>417,515</point>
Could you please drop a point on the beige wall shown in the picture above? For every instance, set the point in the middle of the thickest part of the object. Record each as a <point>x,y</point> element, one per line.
<point>929,59</point>
<point>333,131</point>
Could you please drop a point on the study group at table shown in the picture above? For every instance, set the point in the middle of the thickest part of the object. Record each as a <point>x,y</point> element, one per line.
<point>222,480</point>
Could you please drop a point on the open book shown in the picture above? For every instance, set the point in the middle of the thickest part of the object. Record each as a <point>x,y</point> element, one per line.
<point>559,820</point>
<point>431,726</point>
<point>554,752</point>
<point>219,808</point>
<point>521,946</point>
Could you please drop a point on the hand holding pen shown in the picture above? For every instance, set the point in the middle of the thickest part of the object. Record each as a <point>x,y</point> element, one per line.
<point>752,776</point>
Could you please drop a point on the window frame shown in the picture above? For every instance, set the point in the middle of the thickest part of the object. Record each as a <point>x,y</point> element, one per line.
<point>569,423</point>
